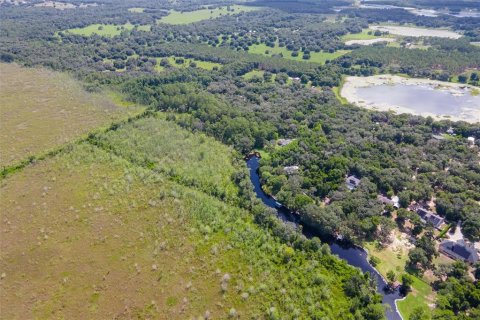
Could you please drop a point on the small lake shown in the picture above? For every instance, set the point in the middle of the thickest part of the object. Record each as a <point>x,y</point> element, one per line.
<point>352,255</point>
<point>422,100</point>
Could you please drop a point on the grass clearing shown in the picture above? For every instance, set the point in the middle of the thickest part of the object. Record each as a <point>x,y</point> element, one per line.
<point>422,296</point>
<point>136,10</point>
<point>106,30</point>
<point>182,62</point>
<point>395,259</point>
<point>366,34</point>
<point>178,17</point>
<point>41,110</point>
<point>317,57</point>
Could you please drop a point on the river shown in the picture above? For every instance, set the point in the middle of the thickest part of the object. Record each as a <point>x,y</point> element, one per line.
<point>355,256</point>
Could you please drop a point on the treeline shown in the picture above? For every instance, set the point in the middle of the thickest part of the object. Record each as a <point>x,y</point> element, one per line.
<point>430,63</point>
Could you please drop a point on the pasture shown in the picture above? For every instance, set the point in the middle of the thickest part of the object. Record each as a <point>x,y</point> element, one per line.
<point>316,57</point>
<point>179,17</point>
<point>182,62</point>
<point>106,30</point>
<point>41,110</point>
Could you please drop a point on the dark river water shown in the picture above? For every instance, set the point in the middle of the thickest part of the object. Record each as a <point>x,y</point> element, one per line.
<point>355,256</point>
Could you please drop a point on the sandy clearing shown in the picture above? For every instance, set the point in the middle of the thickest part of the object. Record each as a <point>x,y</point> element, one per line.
<point>417,32</point>
<point>369,41</point>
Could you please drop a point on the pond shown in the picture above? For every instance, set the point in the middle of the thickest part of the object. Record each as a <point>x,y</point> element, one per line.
<point>354,256</point>
<point>415,96</point>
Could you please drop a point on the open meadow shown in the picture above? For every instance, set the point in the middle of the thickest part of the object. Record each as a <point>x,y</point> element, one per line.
<point>317,57</point>
<point>106,30</point>
<point>41,109</point>
<point>179,17</point>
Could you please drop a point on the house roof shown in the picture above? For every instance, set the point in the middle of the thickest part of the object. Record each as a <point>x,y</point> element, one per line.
<point>430,217</point>
<point>460,250</point>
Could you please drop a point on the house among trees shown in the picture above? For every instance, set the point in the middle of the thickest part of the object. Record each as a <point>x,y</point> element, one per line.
<point>352,182</point>
<point>291,169</point>
<point>459,250</point>
<point>284,142</point>
<point>385,200</point>
<point>430,218</point>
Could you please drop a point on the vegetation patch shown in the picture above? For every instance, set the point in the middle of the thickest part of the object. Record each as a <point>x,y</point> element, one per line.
<point>105,236</point>
<point>182,62</point>
<point>107,30</point>
<point>317,57</point>
<point>41,110</point>
<point>136,10</point>
<point>185,17</point>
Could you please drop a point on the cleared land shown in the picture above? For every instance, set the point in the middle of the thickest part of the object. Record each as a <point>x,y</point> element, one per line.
<point>394,258</point>
<point>87,234</point>
<point>106,30</point>
<point>417,32</point>
<point>41,109</point>
<point>317,57</point>
<point>178,17</point>
<point>176,63</point>
<point>368,42</point>
<point>136,10</point>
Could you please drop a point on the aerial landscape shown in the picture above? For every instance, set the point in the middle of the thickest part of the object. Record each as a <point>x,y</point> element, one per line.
<point>250,159</point>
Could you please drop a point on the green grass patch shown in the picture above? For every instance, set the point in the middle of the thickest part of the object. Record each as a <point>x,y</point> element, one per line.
<point>317,57</point>
<point>106,30</point>
<point>421,296</point>
<point>182,62</point>
<point>178,17</point>
<point>366,34</point>
<point>136,10</point>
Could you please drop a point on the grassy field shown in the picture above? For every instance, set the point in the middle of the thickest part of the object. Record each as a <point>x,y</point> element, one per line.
<point>188,158</point>
<point>41,109</point>
<point>136,10</point>
<point>361,36</point>
<point>106,30</point>
<point>395,260</point>
<point>207,65</point>
<point>422,296</point>
<point>88,234</point>
<point>317,57</point>
<point>178,17</point>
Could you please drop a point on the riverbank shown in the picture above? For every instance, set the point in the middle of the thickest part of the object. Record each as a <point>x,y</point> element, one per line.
<point>353,255</point>
<point>352,85</point>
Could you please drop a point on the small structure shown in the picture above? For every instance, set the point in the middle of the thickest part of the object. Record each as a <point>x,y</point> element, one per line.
<point>385,200</point>
<point>459,250</point>
<point>438,137</point>
<point>291,170</point>
<point>352,182</point>
<point>451,130</point>
<point>471,140</point>
<point>284,142</point>
<point>430,218</point>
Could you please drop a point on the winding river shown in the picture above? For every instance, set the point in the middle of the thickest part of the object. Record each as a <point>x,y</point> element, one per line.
<point>355,256</point>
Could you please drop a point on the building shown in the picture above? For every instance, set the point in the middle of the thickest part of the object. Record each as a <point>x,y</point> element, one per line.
<point>291,169</point>
<point>471,140</point>
<point>352,182</point>
<point>430,218</point>
<point>284,142</point>
<point>459,250</point>
<point>385,200</point>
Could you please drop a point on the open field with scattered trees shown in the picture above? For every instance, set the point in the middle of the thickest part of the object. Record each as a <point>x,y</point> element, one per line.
<point>41,110</point>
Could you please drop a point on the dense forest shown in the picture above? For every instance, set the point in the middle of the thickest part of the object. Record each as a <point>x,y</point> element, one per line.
<point>290,96</point>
